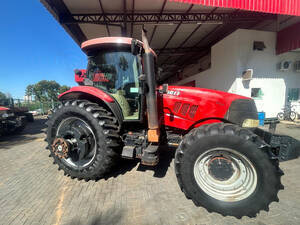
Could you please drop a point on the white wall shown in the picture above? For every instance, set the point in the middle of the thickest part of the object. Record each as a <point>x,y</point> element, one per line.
<point>234,54</point>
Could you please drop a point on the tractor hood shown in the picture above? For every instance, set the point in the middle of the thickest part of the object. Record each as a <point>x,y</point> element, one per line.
<point>197,94</point>
<point>187,106</point>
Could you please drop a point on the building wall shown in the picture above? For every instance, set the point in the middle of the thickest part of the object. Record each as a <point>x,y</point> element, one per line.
<point>235,54</point>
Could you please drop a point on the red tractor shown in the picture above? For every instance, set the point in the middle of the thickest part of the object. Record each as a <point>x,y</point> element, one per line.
<point>10,122</point>
<point>223,162</point>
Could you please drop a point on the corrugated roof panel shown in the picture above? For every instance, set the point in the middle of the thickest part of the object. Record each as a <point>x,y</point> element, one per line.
<point>288,7</point>
<point>288,39</point>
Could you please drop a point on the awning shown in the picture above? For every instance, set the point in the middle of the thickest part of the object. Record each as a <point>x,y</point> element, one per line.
<point>288,39</point>
<point>285,7</point>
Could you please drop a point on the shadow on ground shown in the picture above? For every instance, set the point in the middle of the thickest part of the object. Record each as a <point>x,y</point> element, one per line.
<point>110,216</point>
<point>166,156</point>
<point>31,132</point>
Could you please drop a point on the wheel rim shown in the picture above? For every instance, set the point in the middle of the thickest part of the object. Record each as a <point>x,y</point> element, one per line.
<point>81,140</point>
<point>225,174</point>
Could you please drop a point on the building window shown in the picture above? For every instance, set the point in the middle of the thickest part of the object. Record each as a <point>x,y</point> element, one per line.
<point>259,45</point>
<point>256,93</point>
<point>293,94</point>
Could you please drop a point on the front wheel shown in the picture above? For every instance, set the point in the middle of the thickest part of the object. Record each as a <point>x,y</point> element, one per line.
<point>83,139</point>
<point>220,167</point>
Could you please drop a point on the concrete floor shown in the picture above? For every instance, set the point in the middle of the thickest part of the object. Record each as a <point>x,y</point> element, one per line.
<point>33,191</point>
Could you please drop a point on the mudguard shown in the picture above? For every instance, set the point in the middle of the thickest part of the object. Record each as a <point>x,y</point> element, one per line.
<point>95,95</point>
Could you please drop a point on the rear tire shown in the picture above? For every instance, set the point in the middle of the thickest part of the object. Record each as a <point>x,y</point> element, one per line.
<point>104,133</point>
<point>252,183</point>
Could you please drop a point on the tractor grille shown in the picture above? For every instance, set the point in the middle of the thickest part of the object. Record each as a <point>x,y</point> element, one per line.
<point>184,109</point>
<point>176,107</point>
<point>193,111</point>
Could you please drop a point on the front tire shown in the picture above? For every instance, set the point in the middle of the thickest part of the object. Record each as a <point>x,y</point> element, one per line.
<point>83,139</point>
<point>220,167</point>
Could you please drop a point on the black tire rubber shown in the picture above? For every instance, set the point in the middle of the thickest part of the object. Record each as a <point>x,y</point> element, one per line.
<point>29,117</point>
<point>19,129</point>
<point>105,128</point>
<point>231,136</point>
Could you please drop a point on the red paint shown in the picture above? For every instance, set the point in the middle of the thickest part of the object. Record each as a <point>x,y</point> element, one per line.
<point>211,104</point>
<point>287,7</point>
<point>100,77</point>
<point>89,90</point>
<point>288,39</point>
<point>80,79</point>
<point>93,43</point>
<point>3,109</point>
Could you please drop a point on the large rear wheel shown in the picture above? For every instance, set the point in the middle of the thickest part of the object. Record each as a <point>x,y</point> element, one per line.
<point>83,139</point>
<point>221,168</point>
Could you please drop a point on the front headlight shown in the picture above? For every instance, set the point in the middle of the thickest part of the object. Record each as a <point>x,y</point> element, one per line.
<point>250,123</point>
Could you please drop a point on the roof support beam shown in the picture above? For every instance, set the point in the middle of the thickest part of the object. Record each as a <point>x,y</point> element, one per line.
<point>124,27</point>
<point>102,10</point>
<point>167,18</point>
<point>179,51</point>
<point>175,30</point>
<point>190,35</point>
<point>132,12</point>
<point>154,29</point>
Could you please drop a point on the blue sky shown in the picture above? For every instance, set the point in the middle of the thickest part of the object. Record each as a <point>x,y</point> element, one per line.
<point>34,47</point>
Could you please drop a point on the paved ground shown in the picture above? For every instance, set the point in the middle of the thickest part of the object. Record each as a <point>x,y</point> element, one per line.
<point>32,191</point>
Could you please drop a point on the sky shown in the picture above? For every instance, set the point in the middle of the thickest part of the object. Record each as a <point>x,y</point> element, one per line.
<point>34,47</point>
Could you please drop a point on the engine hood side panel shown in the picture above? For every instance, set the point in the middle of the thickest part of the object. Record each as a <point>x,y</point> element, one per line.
<point>183,107</point>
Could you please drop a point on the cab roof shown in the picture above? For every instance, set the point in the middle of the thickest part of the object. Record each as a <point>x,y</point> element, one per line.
<point>97,42</point>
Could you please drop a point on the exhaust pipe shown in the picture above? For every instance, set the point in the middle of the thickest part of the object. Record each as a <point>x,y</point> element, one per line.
<point>151,98</point>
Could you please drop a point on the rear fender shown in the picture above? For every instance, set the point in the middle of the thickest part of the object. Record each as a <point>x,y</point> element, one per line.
<point>94,95</point>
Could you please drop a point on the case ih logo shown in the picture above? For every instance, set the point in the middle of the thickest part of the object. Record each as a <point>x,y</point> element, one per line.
<point>176,93</point>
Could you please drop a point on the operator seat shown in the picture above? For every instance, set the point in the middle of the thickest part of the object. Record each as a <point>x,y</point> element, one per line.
<point>120,98</point>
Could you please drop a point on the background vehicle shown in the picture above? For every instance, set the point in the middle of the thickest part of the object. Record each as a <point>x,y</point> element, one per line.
<point>223,161</point>
<point>288,113</point>
<point>18,111</point>
<point>10,122</point>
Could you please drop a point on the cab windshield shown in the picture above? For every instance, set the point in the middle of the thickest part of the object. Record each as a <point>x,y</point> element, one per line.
<point>116,72</point>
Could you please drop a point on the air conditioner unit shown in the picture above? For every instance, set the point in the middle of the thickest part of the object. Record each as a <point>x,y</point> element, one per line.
<point>285,65</point>
<point>297,66</point>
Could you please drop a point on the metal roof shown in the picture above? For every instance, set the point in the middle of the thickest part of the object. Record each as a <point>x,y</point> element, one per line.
<point>287,7</point>
<point>179,33</point>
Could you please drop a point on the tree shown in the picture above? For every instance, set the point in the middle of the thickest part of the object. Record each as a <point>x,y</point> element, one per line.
<point>63,89</point>
<point>45,90</point>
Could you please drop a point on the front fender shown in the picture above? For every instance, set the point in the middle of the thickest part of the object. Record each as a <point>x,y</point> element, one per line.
<point>94,95</point>
<point>88,90</point>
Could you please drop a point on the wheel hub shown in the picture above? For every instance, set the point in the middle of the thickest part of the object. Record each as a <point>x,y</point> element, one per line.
<point>220,168</point>
<point>225,174</point>
<point>60,148</point>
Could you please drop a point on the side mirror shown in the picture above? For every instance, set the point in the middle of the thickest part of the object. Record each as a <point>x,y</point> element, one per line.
<point>135,47</point>
<point>78,72</point>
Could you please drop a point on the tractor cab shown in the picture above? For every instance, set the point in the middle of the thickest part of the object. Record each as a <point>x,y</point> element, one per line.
<point>114,66</point>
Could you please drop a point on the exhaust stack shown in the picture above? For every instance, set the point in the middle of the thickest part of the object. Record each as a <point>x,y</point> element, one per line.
<point>151,98</point>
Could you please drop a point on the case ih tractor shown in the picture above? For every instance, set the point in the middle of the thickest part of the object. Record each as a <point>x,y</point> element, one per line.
<point>223,162</point>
